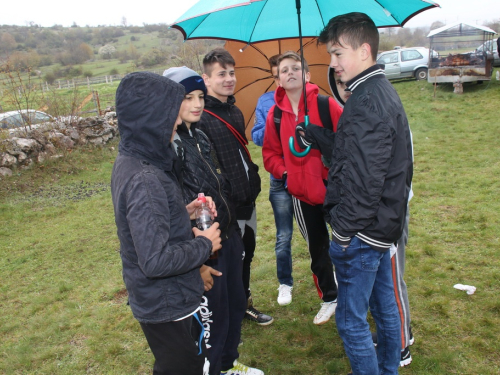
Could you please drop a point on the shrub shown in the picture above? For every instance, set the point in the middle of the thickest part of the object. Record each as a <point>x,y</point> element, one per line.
<point>49,78</point>
<point>74,72</point>
<point>45,60</point>
<point>153,57</point>
<point>87,74</point>
<point>113,72</point>
<point>107,51</point>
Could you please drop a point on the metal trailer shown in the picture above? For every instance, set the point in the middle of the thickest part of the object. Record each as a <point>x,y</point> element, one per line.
<point>455,58</point>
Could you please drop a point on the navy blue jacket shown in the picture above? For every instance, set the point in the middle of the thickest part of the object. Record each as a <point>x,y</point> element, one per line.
<point>160,256</point>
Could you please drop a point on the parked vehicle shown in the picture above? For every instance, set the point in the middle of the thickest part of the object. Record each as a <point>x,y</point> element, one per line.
<point>405,62</point>
<point>25,117</point>
<point>490,47</point>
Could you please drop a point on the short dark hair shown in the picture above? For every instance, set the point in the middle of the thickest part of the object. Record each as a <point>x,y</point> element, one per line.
<point>294,56</point>
<point>217,55</point>
<point>273,60</point>
<point>354,29</point>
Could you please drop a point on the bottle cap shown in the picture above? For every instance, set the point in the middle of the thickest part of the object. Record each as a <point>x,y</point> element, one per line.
<point>201,197</point>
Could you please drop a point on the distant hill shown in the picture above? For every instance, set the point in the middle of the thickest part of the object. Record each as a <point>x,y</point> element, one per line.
<point>69,52</point>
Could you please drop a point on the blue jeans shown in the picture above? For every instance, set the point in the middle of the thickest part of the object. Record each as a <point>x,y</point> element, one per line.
<point>281,201</point>
<point>365,281</point>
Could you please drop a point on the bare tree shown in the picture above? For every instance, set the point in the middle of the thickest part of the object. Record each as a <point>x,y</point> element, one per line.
<point>190,54</point>
<point>20,92</point>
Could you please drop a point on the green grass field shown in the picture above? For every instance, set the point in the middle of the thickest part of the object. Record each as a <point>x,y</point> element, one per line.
<point>63,305</point>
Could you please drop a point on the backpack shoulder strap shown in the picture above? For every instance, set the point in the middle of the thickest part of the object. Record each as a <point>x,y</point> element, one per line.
<point>277,120</point>
<point>324,111</point>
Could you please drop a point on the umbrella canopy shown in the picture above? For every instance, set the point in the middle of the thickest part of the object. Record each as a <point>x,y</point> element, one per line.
<point>259,20</point>
<point>252,21</point>
<point>254,76</point>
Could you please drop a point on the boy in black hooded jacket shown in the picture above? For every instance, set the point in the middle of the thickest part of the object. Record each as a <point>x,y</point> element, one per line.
<point>161,258</point>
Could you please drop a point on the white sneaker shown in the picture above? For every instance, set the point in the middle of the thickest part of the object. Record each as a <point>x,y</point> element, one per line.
<point>284,295</point>
<point>324,314</point>
<point>241,369</point>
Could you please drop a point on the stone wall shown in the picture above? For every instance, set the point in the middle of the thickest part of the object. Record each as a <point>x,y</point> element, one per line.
<point>24,147</point>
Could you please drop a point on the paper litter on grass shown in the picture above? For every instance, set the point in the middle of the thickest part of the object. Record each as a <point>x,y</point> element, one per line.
<point>468,288</point>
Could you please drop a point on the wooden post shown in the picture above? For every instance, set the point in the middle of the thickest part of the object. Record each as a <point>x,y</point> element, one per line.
<point>88,83</point>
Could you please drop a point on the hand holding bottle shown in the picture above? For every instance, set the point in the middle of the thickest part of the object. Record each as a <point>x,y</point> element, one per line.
<point>191,207</point>
<point>213,234</point>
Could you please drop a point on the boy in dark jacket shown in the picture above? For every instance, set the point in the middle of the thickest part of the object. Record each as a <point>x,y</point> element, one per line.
<point>397,254</point>
<point>161,257</point>
<point>367,195</point>
<point>223,122</point>
<point>224,302</point>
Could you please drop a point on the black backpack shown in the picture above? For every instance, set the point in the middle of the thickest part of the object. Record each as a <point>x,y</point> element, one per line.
<point>323,109</point>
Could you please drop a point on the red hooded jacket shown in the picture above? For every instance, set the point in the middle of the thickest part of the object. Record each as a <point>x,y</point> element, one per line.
<point>306,175</point>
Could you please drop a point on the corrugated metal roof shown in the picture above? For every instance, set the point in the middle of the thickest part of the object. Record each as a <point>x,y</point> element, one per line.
<point>460,29</point>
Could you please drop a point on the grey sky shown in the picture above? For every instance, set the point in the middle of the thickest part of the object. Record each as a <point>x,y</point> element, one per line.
<point>111,12</point>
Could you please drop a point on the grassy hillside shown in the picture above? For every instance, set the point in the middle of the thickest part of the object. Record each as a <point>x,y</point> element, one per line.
<point>63,302</point>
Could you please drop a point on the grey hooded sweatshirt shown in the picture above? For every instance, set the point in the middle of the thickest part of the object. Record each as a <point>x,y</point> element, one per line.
<point>160,256</point>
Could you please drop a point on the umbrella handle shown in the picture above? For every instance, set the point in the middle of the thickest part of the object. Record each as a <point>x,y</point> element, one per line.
<point>292,146</point>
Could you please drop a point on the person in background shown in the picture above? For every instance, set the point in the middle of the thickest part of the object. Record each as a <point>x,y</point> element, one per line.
<point>161,254</point>
<point>224,304</point>
<point>498,47</point>
<point>305,177</point>
<point>369,185</point>
<point>280,198</point>
<point>223,123</point>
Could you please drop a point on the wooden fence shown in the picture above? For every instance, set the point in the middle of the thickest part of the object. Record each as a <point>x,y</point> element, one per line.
<point>89,81</point>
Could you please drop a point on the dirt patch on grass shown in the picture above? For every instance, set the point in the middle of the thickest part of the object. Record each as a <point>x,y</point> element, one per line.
<point>120,297</point>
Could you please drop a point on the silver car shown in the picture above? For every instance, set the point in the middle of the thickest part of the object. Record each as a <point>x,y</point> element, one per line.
<point>21,118</point>
<point>405,63</point>
<point>490,46</point>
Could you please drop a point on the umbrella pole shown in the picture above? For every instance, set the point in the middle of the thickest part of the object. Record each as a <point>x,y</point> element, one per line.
<point>306,111</point>
<point>297,3</point>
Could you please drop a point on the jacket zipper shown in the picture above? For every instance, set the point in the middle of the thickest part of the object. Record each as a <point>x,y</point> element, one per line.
<point>218,183</point>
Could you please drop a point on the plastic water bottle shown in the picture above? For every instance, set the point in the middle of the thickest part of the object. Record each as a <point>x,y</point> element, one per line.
<point>203,214</point>
<point>204,218</point>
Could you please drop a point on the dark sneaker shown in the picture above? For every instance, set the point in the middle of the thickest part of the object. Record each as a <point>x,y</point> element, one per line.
<point>412,339</point>
<point>405,357</point>
<point>374,338</point>
<point>256,316</point>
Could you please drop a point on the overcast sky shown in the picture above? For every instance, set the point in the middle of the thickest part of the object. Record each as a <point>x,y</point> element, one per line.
<point>111,12</point>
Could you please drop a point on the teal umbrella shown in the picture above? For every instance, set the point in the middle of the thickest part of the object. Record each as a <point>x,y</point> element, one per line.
<point>253,21</point>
